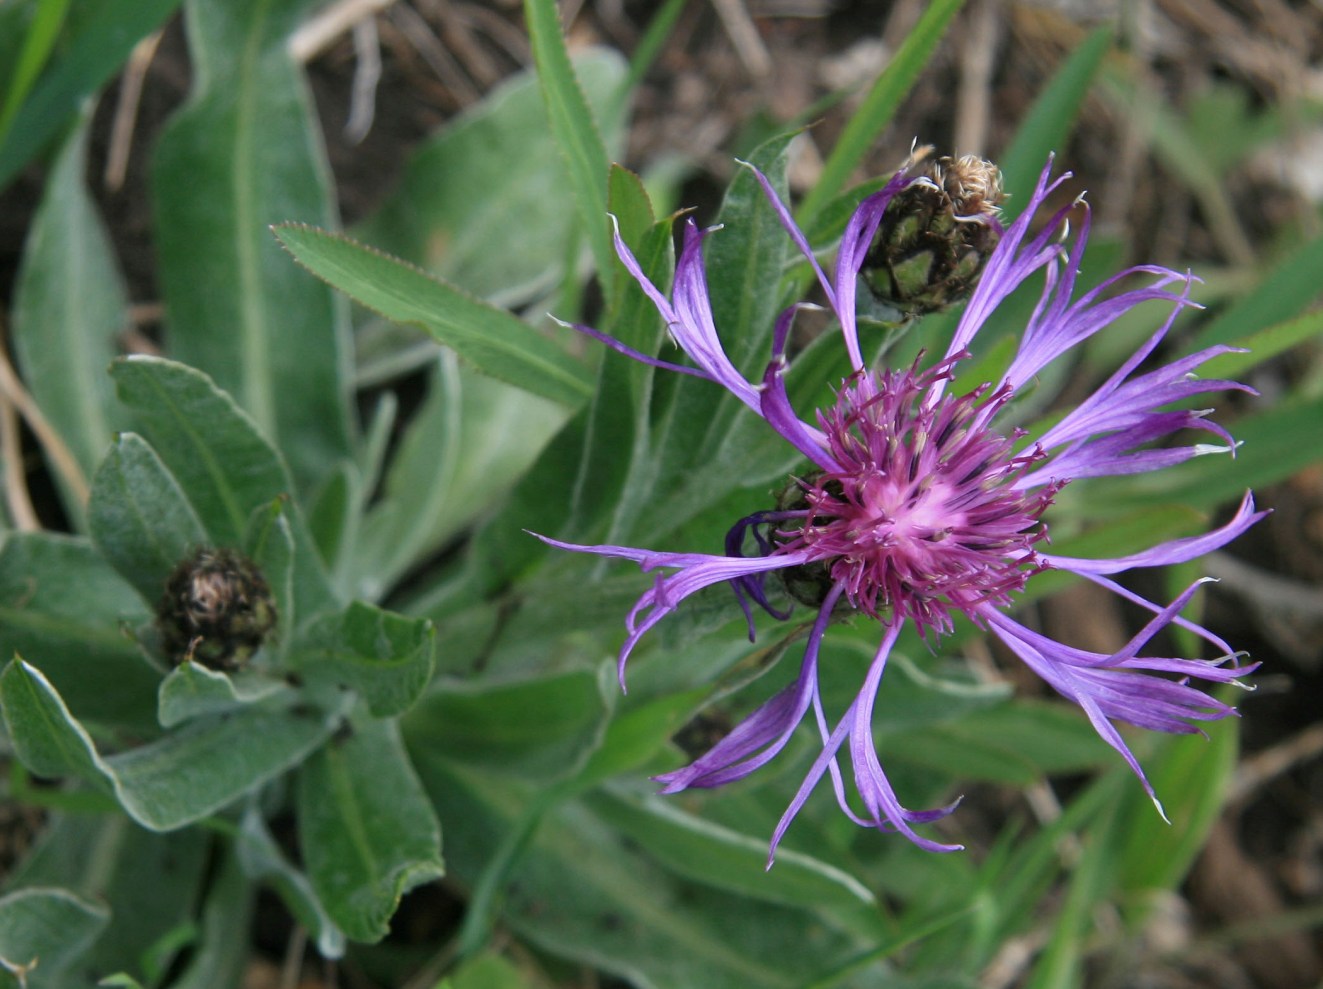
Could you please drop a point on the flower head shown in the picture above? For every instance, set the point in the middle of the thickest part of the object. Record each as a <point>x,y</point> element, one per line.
<point>919,504</point>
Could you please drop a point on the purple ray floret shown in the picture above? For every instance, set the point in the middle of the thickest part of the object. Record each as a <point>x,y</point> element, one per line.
<point>920,504</point>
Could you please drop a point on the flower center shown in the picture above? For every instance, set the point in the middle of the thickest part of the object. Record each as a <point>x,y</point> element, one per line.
<point>923,517</point>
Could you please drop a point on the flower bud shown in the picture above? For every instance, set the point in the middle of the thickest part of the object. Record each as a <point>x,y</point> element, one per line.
<point>935,236</point>
<point>216,609</point>
<point>810,583</point>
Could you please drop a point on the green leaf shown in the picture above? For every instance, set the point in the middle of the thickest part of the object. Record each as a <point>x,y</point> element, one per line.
<point>173,781</point>
<point>191,690</point>
<point>1047,126</point>
<point>64,609</point>
<point>482,204</point>
<point>70,305</point>
<point>1289,287</point>
<point>385,657</point>
<point>224,466</point>
<point>1264,345</point>
<point>572,126</point>
<point>209,762</point>
<point>269,543</point>
<point>103,858</point>
<point>541,728</point>
<point>879,106</point>
<point>1190,776</point>
<point>227,917</point>
<point>46,737</point>
<point>708,853</point>
<point>139,517</point>
<point>1018,743</point>
<point>47,18</point>
<point>582,893</point>
<point>42,933</point>
<point>243,152</point>
<point>488,971</point>
<point>93,56</point>
<point>607,482</point>
<point>495,341</point>
<point>263,860</point>
<point>366,830</point>
<point>470,441</point>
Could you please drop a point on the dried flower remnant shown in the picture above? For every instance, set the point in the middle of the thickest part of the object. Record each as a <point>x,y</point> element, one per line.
<point>920,504</point>
<point>216,610</point>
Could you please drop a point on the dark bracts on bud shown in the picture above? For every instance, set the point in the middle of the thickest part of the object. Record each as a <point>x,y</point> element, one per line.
<point>935,237</point>
<point>216,610</point>
<point>810,583</point>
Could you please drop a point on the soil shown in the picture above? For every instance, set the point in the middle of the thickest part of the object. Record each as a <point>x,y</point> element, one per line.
<point>1244,917</point>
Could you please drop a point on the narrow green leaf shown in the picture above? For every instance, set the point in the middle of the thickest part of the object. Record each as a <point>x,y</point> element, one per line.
<point>366,830</point>
<point>223,464</point>
<point>385,657</point>
<point>1190,776</point>
<point>243,152</point>
<point>42,933</point>
<point>173,781</point>
<point>572,126</point>
<point>495,341</point>
<point>470,441</point>
<point>227,917</point>
<point>1047,126</point>
<point>482,203</point>
<point>46,737</point>
<point>879,106</point>
<point>70,306</point>
<point>150,922</point>
<point>584,894</point>
<point>47,18</point>
<point>263,860</point>
<point>1284,291</point>
<point>269,543</point>
<point>1264,345</point>
<point>93,56</point>
<point>541,728</point>
<point>210,762</point>
<point>717,856</point>
<point>63,608</point>
<point>139,517</point>
<point>618,443</point>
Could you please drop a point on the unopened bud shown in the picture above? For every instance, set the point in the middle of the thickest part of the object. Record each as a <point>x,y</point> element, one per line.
<point>935,237</point>
<point>216,610</point>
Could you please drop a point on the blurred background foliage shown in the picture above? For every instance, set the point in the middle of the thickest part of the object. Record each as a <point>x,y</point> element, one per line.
<point>427,776</point>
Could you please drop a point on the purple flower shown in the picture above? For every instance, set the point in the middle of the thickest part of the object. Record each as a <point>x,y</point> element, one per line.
<point>918,504</point>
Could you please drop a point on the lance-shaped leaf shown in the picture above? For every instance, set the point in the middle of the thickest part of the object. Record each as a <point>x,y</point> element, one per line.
<point>366,829</point>
<point>492,170</point>
<point>223,464</point>
<point>139,517</point>
<point>386,658</point>
<point>262,859</point>
<point>243,152</point>
<point>173,781</point>
<point>496,342</point>
<point>72,616</point>
<point>102,44</point>
<point>104,857</point>
<point>541,728</point>
<point>70,306</point>
<point>43,932</point>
